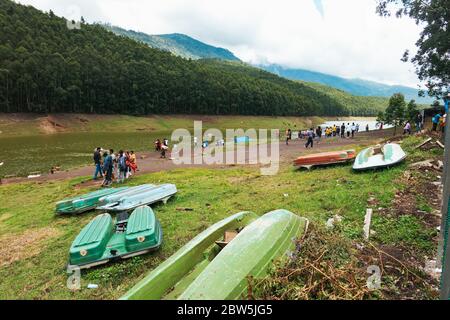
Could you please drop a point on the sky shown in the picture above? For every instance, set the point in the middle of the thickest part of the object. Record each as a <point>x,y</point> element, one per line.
<point>339,37</point>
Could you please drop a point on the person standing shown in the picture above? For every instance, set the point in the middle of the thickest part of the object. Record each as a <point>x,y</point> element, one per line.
<point>419,121</point>
<point>353,130</point>
<point>108,168</point>
<point>349,130</point>
<point>357,127</point>
<point>122,163</point>
<point>133,162</point>
<point>98,163</point>
<point>319,133</point>
<point>310,135</point>
<point>435,121</point>
<point>343,130</point>
<point>288,136</point>
<point>367,127</point>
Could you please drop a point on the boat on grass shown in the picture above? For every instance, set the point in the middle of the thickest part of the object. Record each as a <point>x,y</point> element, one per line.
<point>216,264</point>
<point>84,202</point>
<point>104,239</point>
<point>143,195</point>
<point>379,156</point>
<point>325,158</point>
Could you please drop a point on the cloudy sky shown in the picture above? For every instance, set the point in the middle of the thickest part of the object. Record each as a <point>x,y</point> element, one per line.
<point>340,37</point>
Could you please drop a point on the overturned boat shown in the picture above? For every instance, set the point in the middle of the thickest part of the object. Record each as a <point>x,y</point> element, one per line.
<point>325,158</point>
<point>84,202</point>
<point>379,156</point>
<point>103,239</point>
<point>139,196</point>
<point>216,264</point>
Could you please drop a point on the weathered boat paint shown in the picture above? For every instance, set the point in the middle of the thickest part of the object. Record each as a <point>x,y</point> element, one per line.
<point>84,202</point>
<point>377,157</point>
<point>325,158</point>
<point>103,239</point>
<point>145,196</point>
<point>211,273</point>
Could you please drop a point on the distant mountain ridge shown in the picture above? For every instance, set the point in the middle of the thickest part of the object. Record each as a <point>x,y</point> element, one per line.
<point>357,87</point>
<point>179,44</point>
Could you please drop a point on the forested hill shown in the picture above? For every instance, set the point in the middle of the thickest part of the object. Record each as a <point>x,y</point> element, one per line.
<point>179,44</point>
<point>47,67</point>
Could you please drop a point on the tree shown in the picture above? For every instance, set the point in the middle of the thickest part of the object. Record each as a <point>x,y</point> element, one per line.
<point>395,112</point>
<point>432,60</point>
<point>411,111</point>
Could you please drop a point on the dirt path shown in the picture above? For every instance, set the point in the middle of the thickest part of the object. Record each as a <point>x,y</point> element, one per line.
<point>151,161</point>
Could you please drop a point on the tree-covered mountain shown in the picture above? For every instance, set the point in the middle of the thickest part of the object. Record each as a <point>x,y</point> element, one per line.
<point>47,67</point>
<point>356,87</point>
<point>179,44</point>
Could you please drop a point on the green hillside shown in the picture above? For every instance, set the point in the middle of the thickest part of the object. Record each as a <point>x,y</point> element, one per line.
<point>46,67</point>
<point>178,44</point>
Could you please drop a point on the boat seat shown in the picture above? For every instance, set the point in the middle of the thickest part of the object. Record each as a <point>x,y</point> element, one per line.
<point>228,236</point>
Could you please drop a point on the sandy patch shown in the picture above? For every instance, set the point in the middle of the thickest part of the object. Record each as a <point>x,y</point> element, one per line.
<point>15,247</point>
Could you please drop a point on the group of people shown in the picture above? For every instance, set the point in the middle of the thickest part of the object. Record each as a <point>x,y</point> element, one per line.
<point>162,146</point>
<point>114,166</point>
<point>345,130</point>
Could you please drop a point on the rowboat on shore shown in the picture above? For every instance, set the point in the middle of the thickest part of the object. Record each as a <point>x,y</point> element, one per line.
<point>143,195</point>
<point>379,156</point>
<point>325,158</point>
<point>216,264</point>
<point>104,239</point>
<point>84,202</point>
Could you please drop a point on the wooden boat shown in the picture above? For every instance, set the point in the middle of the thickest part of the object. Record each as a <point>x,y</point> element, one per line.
<point>216,266</point>
<point>379,156</point>
<point>84,202</point>
<point>103,239</point>
<point>139,197</point>
<point>325,158</point>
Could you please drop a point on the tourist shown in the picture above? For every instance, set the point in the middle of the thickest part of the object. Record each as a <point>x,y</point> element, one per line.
<point>442,123</point>
<point>435,121</point>
<point>353,129</point>
<point>334,130</point>
<point>133,162</point>
<point>338,130</point>
<point>343,130</point>
<point>122,163</point>
<point>166,142</point>
<point>98,163</point>
<point>349,130</point>
<point>407,128</point>
<point>288,136</point>
<point>367,127</point>
<point>108,168</point>
<point>115,171</point>
<point>157,145</point>
<point>310,135</point>
<point>357,127</point>
<point>163,151</point>
<point>319,133</point>
<point>419,122</point>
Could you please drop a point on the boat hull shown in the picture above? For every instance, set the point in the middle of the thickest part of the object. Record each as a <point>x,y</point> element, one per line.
<point>84,202</point>
<point>103,240</point>
<point>379,157</point>
<point>223,274</point>
<point>325,158</point>
<point>143,197</point>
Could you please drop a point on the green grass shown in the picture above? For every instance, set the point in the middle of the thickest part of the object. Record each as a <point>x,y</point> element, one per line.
<point>213,194</point>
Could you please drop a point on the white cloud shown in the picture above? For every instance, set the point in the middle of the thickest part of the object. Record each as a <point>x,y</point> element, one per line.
<point>340,37</point>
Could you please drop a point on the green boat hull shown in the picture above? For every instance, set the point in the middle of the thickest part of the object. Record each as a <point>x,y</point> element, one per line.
<point>103,239</point>
<point>221,274</point>
<point>84,202</point>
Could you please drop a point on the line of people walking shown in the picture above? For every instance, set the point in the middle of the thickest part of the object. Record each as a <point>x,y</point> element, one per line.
<point>113,166</point>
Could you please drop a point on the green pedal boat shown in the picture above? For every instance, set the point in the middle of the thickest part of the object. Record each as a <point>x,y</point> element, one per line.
<point>103,240</point>
<point>216,264</point>
<point>84,202</point>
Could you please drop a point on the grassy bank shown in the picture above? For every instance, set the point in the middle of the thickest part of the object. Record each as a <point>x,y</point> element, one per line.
<point>34,243</point>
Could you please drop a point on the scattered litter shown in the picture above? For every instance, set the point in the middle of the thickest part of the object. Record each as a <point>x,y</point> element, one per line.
<point>286,195</point>
<point>184,209</point>
<point>423,164</point>
<point>440,144</point>
<point>32,176</point>
<point>1,163</point>
<point>423,143</point>
<point>332,221</point>
<point>432,270</point>
<point>92,286</point>
<point>367,221</point>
